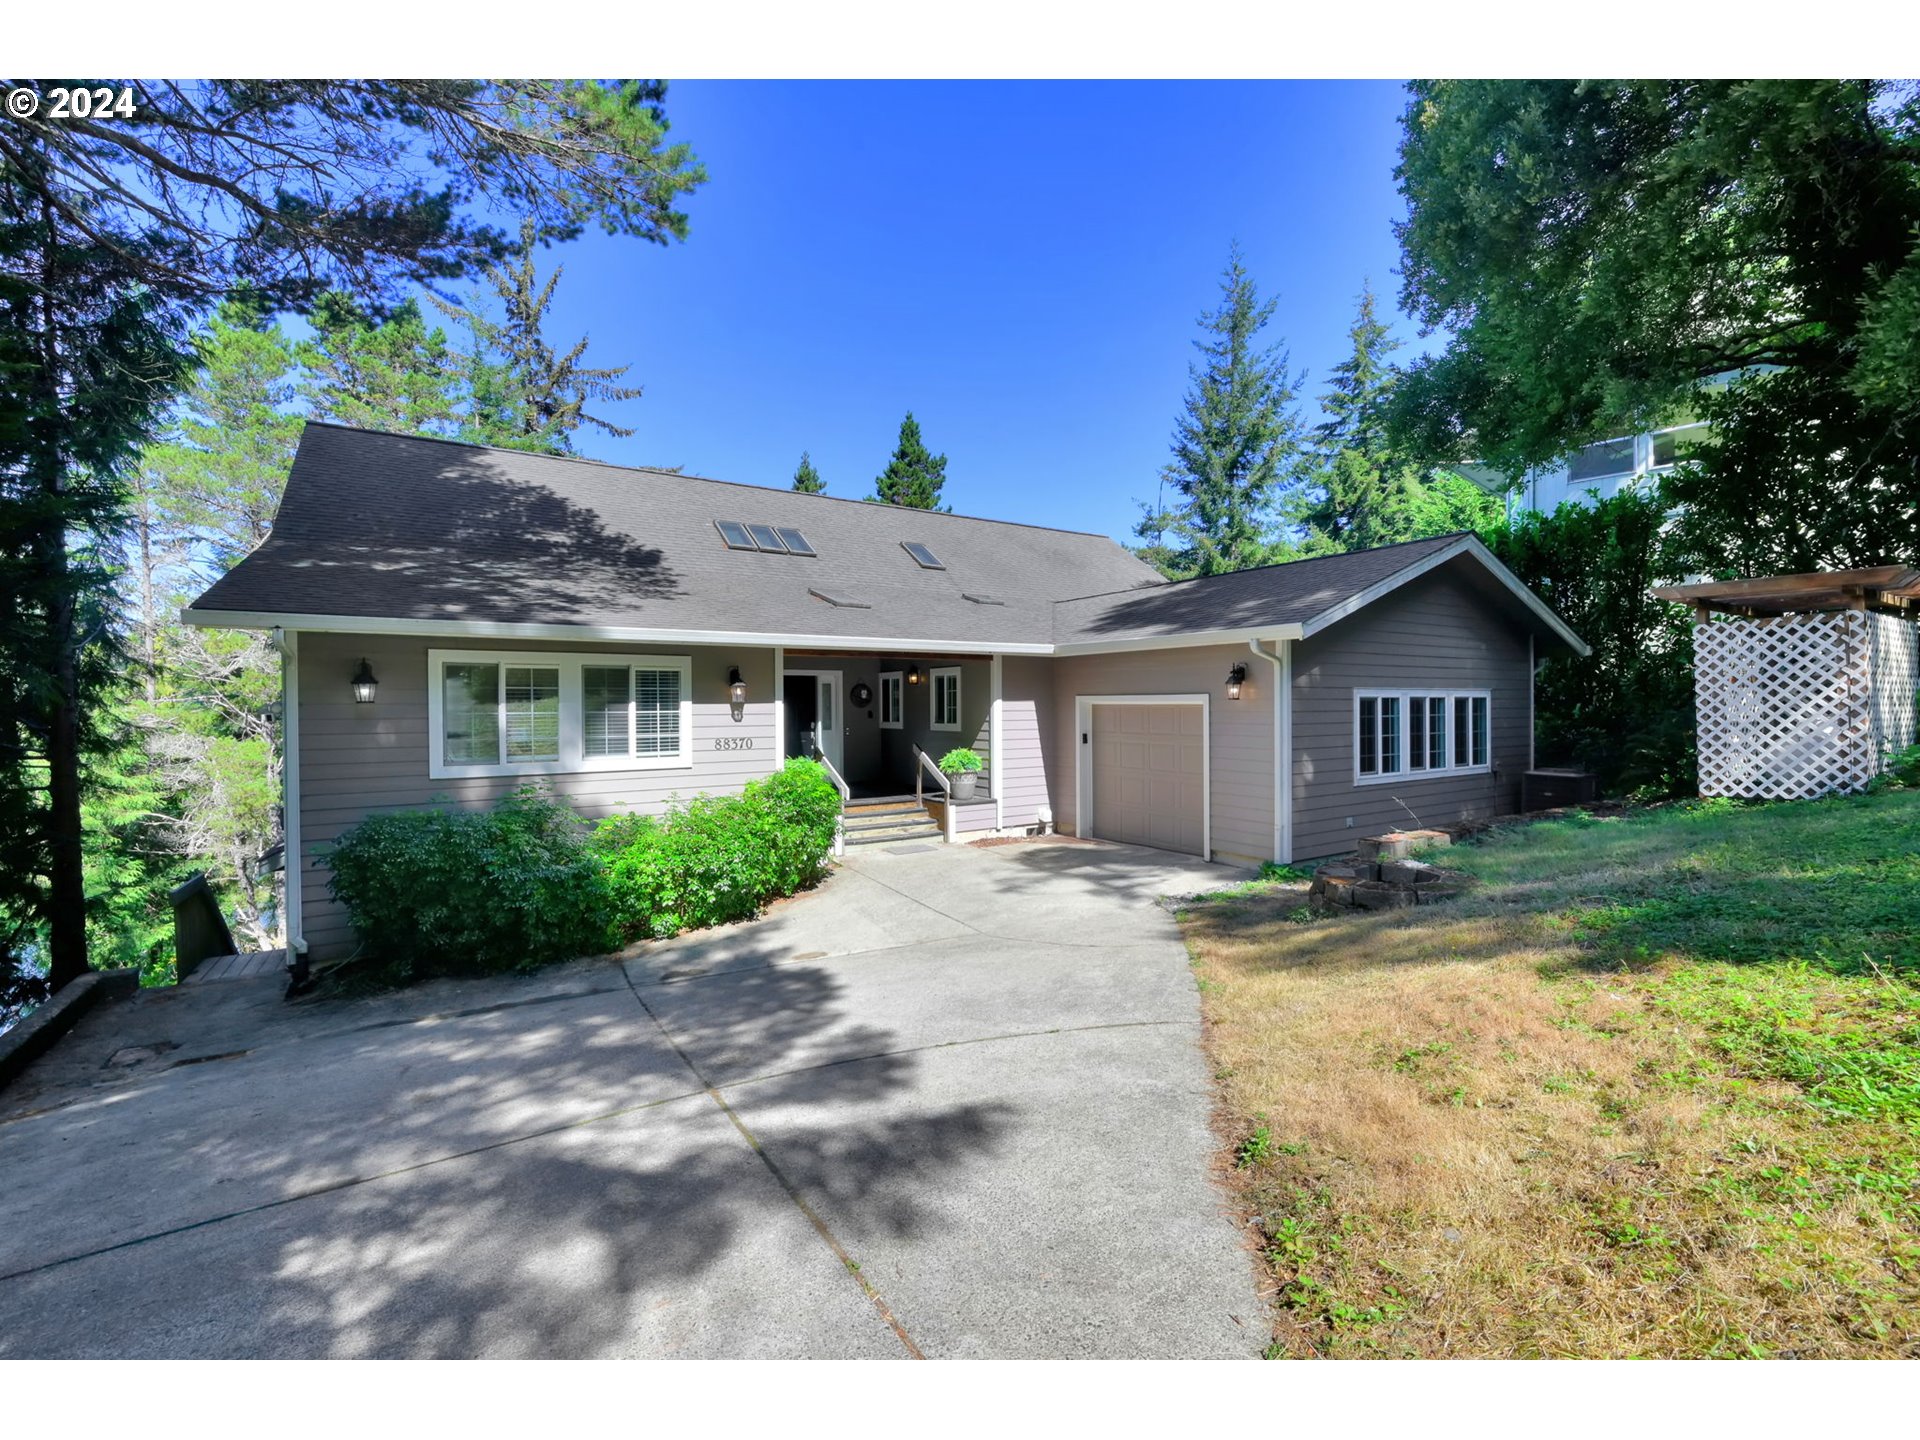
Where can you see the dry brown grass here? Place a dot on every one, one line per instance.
(1478, 1144)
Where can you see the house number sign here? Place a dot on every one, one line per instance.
(733, 742)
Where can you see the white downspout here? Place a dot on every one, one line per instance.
(1281, 658)
(293, 923)
(996, 759)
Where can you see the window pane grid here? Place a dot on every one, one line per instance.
(656, 711)
(1425, 733)
(607, 697)
(532, 713)
(471, 698)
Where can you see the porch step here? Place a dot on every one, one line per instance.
(872, 809)
(881, 830)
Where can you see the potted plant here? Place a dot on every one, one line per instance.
(962, 767)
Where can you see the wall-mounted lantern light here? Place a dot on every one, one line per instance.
(364, 685)
(1235, 678)
(736, 687)
(913, 674)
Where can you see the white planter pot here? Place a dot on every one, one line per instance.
(964, 783)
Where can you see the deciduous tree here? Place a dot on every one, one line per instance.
(1613, 254)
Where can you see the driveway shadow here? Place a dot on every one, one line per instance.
(546, 1179)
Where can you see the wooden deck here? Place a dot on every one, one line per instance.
(239, 967)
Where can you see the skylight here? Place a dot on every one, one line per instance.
(982, 599)
(922, 556)
(768, 539)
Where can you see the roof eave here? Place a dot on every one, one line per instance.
(626, 634)
(1239, 635)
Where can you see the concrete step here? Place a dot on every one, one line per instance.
(921, 829)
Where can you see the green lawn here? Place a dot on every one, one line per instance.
(1653, 1088)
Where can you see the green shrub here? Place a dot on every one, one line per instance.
(720, 858)
(461, 892)
(961, 762)
(1905, 767)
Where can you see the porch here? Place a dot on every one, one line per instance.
(882, 722)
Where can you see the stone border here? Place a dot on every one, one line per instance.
(1384, 884)
(35, 1035)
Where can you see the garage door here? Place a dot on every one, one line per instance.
(1149, 775)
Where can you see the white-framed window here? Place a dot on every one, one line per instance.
(1420, 733)
(892, 704)
(1603, 460)
(1667, 448)
(944, 697)
(497, 712)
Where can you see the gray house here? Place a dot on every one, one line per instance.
(456, 620)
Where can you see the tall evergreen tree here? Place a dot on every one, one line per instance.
(112, 234)
(1364, 489)
(526, 394)
(1237, 445)
(807, 479)
(379, 372)
(914, 476)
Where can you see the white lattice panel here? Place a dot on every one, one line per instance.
(1895, 648)
(1784, 706)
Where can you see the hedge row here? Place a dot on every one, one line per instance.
(451, 892)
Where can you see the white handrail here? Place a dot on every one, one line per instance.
(926, 763)
(946, 790)
(846, 794)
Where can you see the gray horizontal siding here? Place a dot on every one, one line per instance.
(1241, 739)
(1434, 631)
(1027, 740)
(360, 760)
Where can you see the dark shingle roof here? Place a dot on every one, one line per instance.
(378, 527)
(396, 527)
(1288, 594)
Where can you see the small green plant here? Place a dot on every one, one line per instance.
(1904, 768)
(1255, 1148)
(1272, 871)
(961, 761)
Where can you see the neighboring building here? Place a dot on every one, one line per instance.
(1593, 472)
(456, 621)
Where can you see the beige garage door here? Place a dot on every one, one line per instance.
(1149, 775)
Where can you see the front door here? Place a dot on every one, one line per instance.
(826, 728)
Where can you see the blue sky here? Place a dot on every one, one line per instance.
(1021, 265)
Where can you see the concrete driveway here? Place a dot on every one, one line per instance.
(950, 1104)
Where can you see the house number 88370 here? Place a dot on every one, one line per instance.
(733, 742)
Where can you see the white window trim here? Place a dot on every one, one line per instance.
(1404, 773)
(894, 683)
(933, 698)
(1635, 462)
(573, 757)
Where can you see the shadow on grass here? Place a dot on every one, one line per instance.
(1832, 883)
